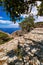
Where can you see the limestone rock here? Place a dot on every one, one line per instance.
(12, 59)
(33, 50)
(21, 40)
(3, 60)
(35, 61)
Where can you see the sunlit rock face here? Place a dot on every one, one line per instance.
(23, 50)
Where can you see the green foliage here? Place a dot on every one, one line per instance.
(39, 24)
(17, 7)
(14, 8)
(4, 38)
(27, 23)
(40, 9)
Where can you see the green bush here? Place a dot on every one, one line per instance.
(27, 23)
(4, 38)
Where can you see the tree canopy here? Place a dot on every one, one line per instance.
(17, 7)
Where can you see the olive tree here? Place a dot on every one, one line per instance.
(17, 7)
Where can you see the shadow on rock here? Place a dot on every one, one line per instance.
(11, 53)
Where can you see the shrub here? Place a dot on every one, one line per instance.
(4, 37)
(27, 23)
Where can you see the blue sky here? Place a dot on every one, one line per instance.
(5, 19)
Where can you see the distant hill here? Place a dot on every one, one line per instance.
(4, 37)
(39, 24)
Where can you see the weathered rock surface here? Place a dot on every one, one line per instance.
(23, 50)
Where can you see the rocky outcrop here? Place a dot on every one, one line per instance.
(23, 50)
(18, 33)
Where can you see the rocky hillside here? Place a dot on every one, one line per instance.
(26, 49)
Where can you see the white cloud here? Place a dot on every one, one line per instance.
(5, 21)
(8, 24)
(40, 18)
(34, 10)
(38, 3)
(1, 17)
(25, 15)
(16, 25)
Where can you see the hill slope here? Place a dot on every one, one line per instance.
(4, 37)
